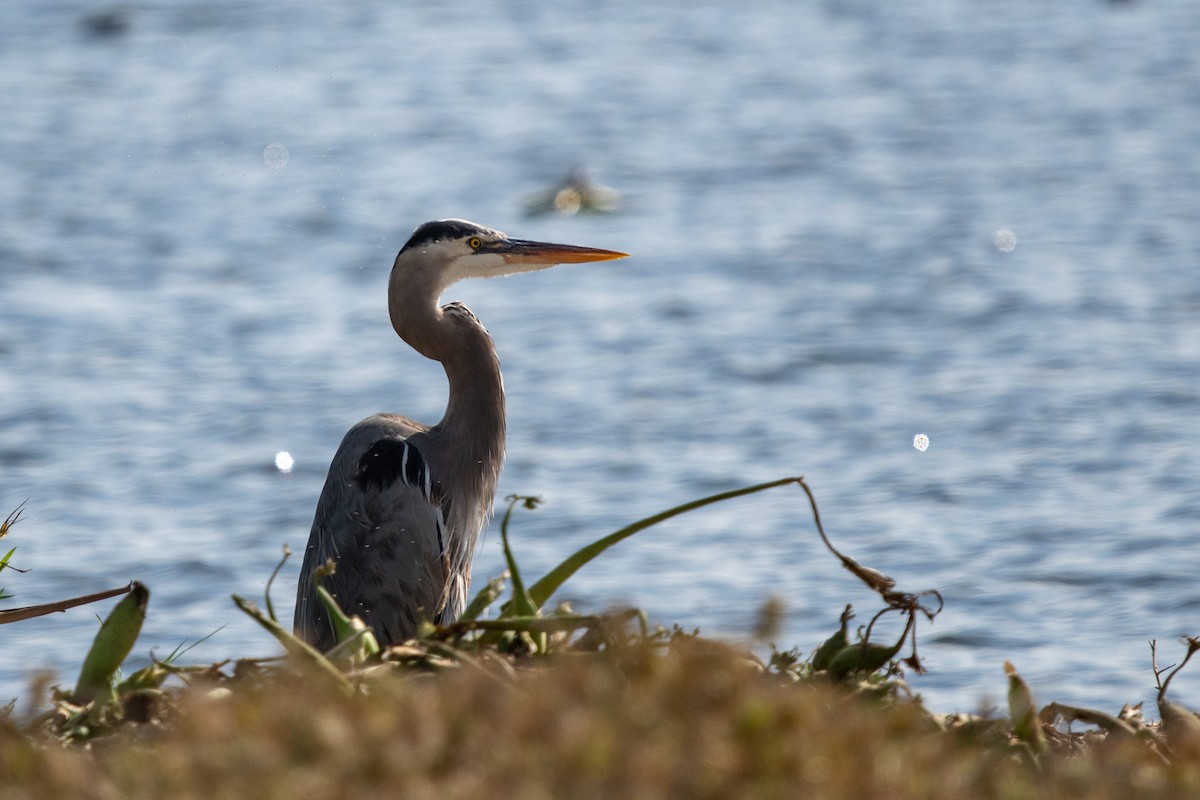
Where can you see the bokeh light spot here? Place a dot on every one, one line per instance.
(275, 155)
(1004, 240)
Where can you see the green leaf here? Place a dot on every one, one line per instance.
(355, 639)
(297, 648)
(862, 657)
(1026, 725)
(541, 591)
(483, 598)
(835, 644)
(112, 645)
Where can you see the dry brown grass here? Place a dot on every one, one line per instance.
(698, 722)
(541, 703)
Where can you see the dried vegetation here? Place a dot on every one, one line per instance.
(539, 701)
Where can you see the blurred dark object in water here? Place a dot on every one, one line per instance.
(107, 23)
(575, 193)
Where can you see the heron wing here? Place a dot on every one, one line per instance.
(382, 523)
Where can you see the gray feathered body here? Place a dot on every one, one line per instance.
(404, 504)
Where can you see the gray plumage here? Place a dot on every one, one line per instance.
(404, 503)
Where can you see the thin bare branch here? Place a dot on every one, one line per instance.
(29, 612)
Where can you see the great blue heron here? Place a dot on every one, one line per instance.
(404, 502)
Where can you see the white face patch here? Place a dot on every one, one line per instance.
(471, 264)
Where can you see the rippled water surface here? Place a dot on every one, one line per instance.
(201, 208)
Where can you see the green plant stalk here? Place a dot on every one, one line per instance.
(112, 645)
(296, 648)
(541, 591)
(343, 627)
(483, 598)
(287, 552)
(522, 604)
(536, 624)
(4, 563)
(12, 519)
(356, 641)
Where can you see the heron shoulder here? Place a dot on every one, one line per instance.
(388, 460)
(378, 451)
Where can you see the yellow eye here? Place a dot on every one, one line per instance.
(475, 242)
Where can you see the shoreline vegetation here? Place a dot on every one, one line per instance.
(540, 701)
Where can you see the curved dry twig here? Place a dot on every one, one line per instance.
(906, 603)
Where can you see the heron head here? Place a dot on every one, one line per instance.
(456, 249)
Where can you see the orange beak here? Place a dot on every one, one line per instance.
(523, 251)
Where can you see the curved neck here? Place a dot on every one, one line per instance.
(472, 429)
(475, 408)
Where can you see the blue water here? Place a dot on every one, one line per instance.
(811, 193)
